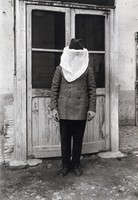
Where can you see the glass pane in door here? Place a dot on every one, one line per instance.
(97, 62)
(44, 64)
(48, 29)
(91, 28)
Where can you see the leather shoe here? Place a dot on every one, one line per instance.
(64, 171)
(77, 171)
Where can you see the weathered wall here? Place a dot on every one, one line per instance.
(127, 26)
(6, 60)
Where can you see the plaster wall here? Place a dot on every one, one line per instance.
(6, 64)
(6, 54)
(6, 46)
(127, 11)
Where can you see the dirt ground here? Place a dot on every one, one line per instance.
(102, 179)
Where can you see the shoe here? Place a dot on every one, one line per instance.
(77, 171)
(64, 171)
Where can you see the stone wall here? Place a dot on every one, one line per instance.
(6, 127)
(8, 132)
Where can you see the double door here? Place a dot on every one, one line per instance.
(49, 30)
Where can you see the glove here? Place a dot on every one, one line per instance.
(90, 115)
(55, 115)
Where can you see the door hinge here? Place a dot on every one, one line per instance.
(136, 84)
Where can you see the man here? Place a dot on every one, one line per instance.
(73, 101)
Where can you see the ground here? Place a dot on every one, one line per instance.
(102, 179)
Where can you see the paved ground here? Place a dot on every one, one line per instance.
(103, 179)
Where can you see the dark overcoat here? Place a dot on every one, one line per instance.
(73, 99)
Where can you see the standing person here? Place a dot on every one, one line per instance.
(73, 101)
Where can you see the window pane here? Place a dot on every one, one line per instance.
(43, 67)
(91, 29)
(48, 29)
(97, 63)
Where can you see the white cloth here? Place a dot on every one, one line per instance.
(74, 63)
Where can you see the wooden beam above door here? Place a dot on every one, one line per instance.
(75, 3)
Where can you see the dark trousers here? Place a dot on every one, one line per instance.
(71, 129)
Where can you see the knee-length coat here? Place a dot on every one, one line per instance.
(73, 99)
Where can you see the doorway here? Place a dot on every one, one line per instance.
(49, 30)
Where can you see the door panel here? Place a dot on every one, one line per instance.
(46, 135)
(45, 130)
(95, 129)
(93, 29)
(50, 29)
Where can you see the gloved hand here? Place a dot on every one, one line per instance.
(90, 115)
(55, 115)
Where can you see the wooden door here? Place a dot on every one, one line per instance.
(49, 30)
(93, 28)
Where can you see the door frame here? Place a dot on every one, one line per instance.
(22, 137)
(136, 82)
(70, 25)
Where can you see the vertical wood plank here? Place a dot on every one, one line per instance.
(41, 120)
(18, 114)
(107, 83)
(29, 84)
(45, 110)
(55, 131)
(35, 121)
(96, 121)
(20, 152)
(136, 83)
(48, 119)
(91, 131)
(102, 117)
(72, 23)
(85, 138)
(55, 139)
(67, 26)
(114, 125)
(50, 123)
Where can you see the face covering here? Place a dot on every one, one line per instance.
(74, 63)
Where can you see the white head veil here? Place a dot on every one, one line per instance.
(74, 63)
